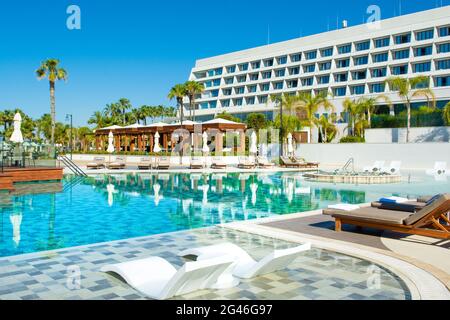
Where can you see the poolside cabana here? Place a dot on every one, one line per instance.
(140, 138)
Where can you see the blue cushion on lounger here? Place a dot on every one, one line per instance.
(434, 198)
(386, 200)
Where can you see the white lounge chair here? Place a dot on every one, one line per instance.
(376, 167)
(393, 168)
(158, 279)
(439, 172)
(245, 266)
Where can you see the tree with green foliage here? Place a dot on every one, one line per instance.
(446, 114)
(407, 90)
(327, 127)
(178, 92)
(50, 69)
(228, 116)
(193, 88)
(257, 121)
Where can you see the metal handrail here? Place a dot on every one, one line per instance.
(72, 166)
(349, 162)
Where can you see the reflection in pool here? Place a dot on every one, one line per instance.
(112, 207)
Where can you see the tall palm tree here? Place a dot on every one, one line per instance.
(352, 108)
(310, 104)
(408, 89)
(178, 92)
(50, 69)
(193, 88)
(99, 119)
(123, 106)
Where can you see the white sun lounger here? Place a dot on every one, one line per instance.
(376, 167)
(158, 279)
(393, 168)
(245, 266)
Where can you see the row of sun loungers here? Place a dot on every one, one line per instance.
(425, 216)
(163, 162)
(216, 267)
(294, 162)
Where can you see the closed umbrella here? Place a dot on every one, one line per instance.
(110, 143)
(157, 147)
(290, 146)
(16, 136)
(205, 148)
(253, 143)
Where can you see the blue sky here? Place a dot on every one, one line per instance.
(138, 49)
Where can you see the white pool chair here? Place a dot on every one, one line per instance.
(393, 168)
(376, 167)
(439, 172)
(245, 266)
(158, 279)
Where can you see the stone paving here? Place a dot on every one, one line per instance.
(316, 274)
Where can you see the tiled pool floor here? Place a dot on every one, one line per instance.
(317, 274)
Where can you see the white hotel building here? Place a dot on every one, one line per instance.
(349, 62)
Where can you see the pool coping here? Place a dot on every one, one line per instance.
(423, 280)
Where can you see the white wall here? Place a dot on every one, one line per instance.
(394, 135)
(412, 155)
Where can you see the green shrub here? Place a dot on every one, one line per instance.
(422, 117)
(352, 139)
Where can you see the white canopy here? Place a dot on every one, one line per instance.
(158, 124)
(220, 120)
(111, 127)
(136, 125)
(185, 123)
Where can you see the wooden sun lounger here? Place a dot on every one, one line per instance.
(263, 162)
(218, 163)
(145, 164)
(118, 163)
(246, 163)
(430, 221)
(196, 163)
(306, 163)
(98, 163)
(163, 163)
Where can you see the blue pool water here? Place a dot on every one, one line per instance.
(54, 215)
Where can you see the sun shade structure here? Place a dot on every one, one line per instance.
(140, 138)
(16, 136)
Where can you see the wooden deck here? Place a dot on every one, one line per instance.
(13, 175)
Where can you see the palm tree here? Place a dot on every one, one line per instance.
(193, 88)
(99, 119)
(327, 127)
(408, 89)
(123, 106)
(446, 114)
(178, 92)
(352, 108)
(309, 105)
(50, 69)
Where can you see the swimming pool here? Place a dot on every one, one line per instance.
(49, 216)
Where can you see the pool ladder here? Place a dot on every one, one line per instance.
(72, 166)
(350, 162)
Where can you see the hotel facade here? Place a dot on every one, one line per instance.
(345, 63)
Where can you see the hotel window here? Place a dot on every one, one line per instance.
(347, 48)
(250, 100)
(377, 88)
(380, 57)
(443, 81)
(268, 63)
(340, 92)
(444, 47)
(311, 55)
(294, 71)
(225, 103)
(402, 54)
(444, 31)
(229, 80)
(216, 82)
(239, 90)
(267, 75)
(361, 60)
(384, 42)
(256, 65)
(278, 85)
(325, 66)
(282, 60)
(214, 93)
(403, 38)
(341, 77)
(399, 70)
(243, 67)
(241, 79)
(213, 104)
(422, 67)
(208, 84)
(262, 99)
(343, 63)
(363, 46)
(204, 105)
(265, 87)
(210, 73)
(423, 51)
(359, 75)
(292, 83)
(231, 69)
(323, 79)
(218, 71)
(307, 81)
(280, 73)
(227, 92)
(379, 72)
(327, 52)
(425, 35)
(254, 77)
(443, 65)
(356, 90)
(238, 102)
(323, 92)
(296, 57)
(251, 89)
(309, 68)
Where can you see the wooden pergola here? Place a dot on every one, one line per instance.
(138, 138)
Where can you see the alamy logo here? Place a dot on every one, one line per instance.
(374, 20)
(73, 21)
